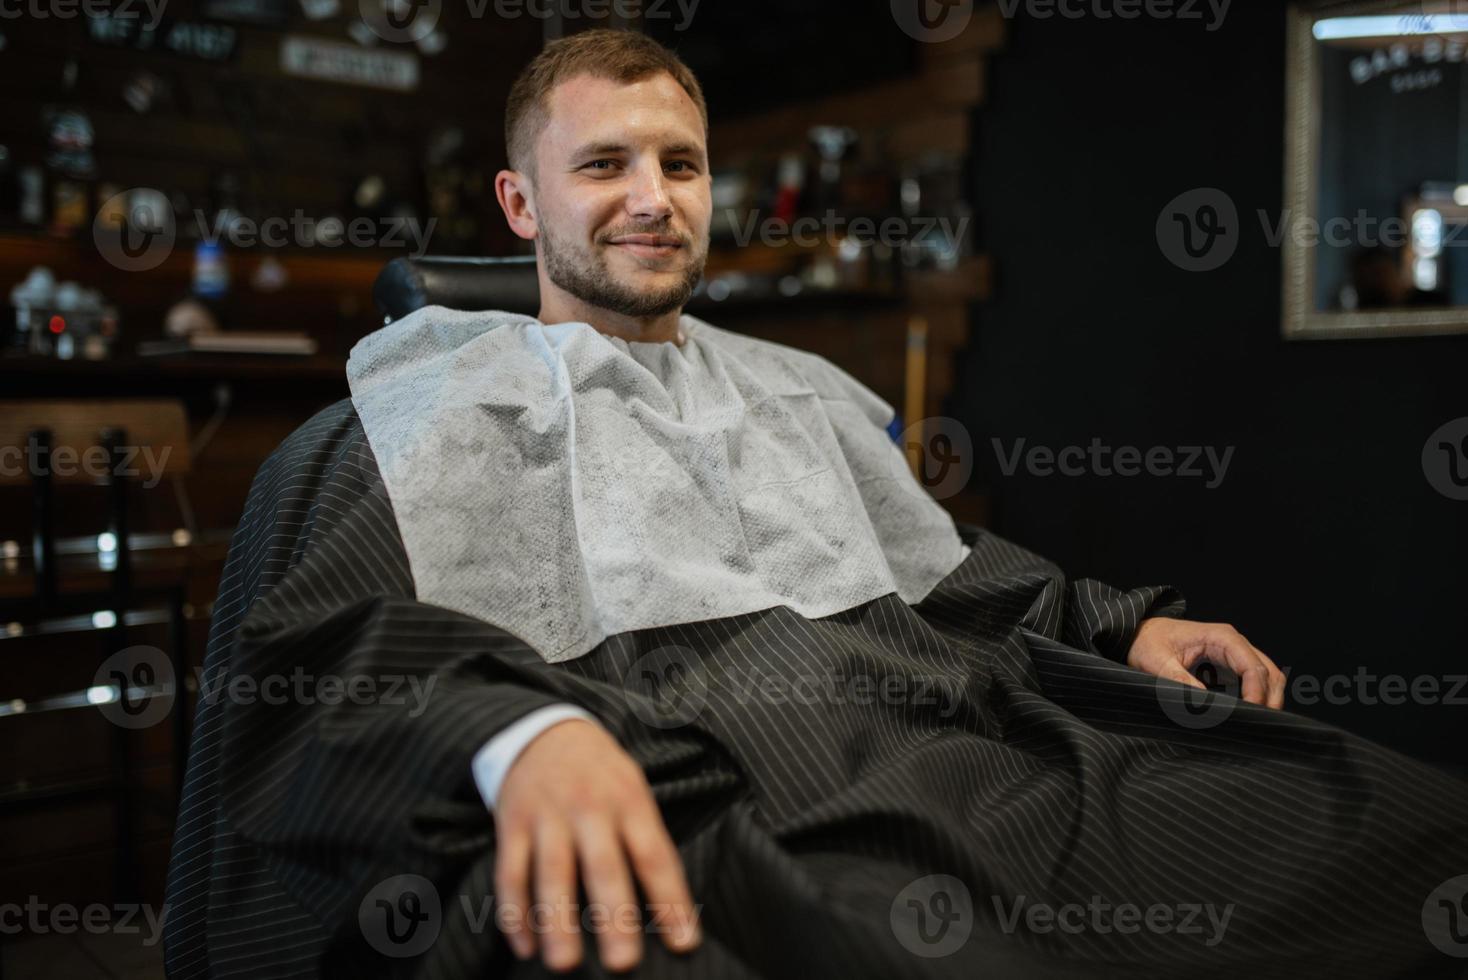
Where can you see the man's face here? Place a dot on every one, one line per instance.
(622, 190)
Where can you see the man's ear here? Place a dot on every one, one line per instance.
(516, 198)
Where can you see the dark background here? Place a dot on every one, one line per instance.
(1325, 544)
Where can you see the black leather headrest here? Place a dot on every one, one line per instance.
(459, 283)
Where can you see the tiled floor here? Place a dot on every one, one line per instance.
(82, 956)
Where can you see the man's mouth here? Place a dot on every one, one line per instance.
(648, 246)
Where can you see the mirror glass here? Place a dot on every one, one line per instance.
(1378, 169)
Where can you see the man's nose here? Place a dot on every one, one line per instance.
(647, 197)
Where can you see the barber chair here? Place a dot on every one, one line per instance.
(457, 283)
(474, 284)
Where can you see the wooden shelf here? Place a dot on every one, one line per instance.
(225, 367)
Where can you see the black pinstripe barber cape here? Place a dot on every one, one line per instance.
(971, 787)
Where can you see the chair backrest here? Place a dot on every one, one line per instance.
(155, 438)
(459, 283)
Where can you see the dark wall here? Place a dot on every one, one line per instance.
(1325, 544)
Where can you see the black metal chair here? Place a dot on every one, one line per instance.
(96, 443)
(458, 283)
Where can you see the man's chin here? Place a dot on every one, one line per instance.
(640, 280)
(670, 265)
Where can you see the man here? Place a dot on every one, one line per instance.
(1012, 754)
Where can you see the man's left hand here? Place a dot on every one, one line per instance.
(1172, 647)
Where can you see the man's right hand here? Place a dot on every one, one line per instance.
(574, 800)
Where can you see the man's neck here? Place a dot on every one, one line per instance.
(653, 330)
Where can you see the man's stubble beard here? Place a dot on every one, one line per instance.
(585, 275)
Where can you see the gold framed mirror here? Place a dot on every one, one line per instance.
(1374, 235)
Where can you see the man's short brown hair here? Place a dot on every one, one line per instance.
(619, 55)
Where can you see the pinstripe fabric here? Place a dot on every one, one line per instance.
(1011, 752)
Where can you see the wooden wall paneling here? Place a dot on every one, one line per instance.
(883, 106)
(984, 34)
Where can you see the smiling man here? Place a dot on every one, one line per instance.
(611, 180)
(718, 689)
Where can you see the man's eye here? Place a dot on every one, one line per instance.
(594, 164)
(687, 167)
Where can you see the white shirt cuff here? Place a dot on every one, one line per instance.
(494, 759)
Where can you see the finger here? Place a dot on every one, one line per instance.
(555, 894)
(609, 885)
(1277, 680)
(657, 865)
(1229, 649)
(512, 885)
(1173, 670)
